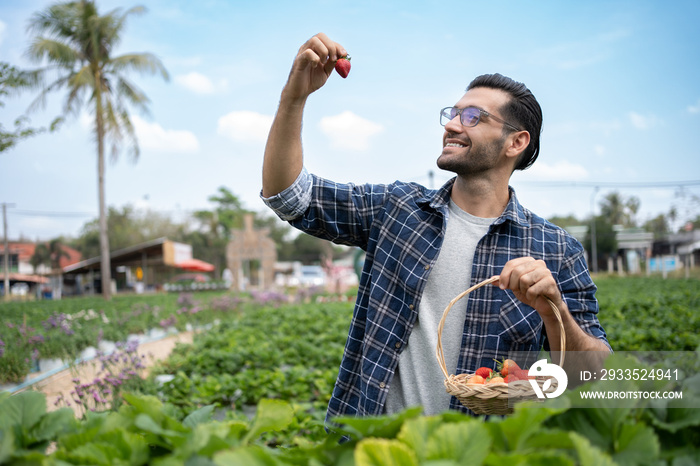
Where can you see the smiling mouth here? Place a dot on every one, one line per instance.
(454, 144)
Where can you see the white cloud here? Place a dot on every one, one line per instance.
(349, 131)
(557, 171)
(198, 83)
(643, 122)
(154, 137)
(694, 108)
(245, 126)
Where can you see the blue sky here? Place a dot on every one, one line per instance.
(619, 83)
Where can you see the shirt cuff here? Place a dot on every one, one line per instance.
(293, 201)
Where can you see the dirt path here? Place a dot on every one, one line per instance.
(62, 382)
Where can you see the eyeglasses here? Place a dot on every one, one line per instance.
(469, 116)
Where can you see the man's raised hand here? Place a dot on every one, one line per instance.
(312, 66)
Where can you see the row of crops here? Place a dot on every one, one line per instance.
(253, 387)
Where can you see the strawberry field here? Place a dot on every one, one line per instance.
(253, 387)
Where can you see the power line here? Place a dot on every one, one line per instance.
(589, 184)
(611, 184)
(39, 213)
(430, 176)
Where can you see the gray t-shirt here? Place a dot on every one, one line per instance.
(418, 379)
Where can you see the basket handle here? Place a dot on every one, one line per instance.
(439, 351)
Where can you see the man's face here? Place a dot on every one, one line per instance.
(472, 150)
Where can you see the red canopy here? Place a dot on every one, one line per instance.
(195, 265)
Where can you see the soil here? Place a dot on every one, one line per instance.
(62, 382)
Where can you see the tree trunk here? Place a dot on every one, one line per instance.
(105, 265)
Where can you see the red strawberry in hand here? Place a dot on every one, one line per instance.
(342, 66)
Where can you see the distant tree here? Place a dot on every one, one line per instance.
(41, 256)
(127, 226)
(567, 221)
(658, 225)
(695, 223)
(228, 211)
(77, 43)
(606, 242)
(618, 210)
(49, 253)
(12, 81)
(57, 252)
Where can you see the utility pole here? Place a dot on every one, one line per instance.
(6, 252)
(594, 240)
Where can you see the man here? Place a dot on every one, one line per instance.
(423, 247)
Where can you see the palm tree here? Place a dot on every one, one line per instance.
(56, 253)
(77, 44)
(41, 256)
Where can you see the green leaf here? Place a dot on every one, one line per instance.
(173, 438)
(546, 458)
(377, 426)
(54, 423)
(416, 432)
(253, 455)
(207, 439)
(384, 452)
(128, 446)
(548, 439)
(271, 415)
(464, 442)
(70, 442)
(636, 444)
(24, 409)
(527, 420)
(676, 419)
(7, 445)
(197, 417)
(94, 453)
(148, 405)
(588, 454)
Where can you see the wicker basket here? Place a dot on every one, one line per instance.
(493, 398)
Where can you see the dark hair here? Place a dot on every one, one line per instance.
(523, 110)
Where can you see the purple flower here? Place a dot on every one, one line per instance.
(34, 339)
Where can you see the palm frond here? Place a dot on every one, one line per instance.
(40, 101)
(132, 94)
(58, 20)
(141, 62)
(75, 40)
(54, 51)
(79, 83)
(118, 20)
(134, 149)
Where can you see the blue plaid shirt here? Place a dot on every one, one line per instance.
(401, 226)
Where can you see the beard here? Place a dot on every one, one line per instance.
(473, 159)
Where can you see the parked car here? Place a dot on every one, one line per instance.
(312, 275)
(19, 289)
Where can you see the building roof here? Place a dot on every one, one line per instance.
(133, 254)
(25, 251)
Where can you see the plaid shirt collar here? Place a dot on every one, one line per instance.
(441, 199)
